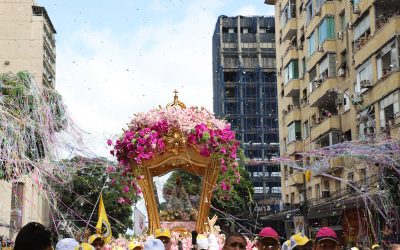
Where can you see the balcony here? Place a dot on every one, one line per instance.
(293, 115)
(363, 5)
(290, 54)
(294, 147)
(328, 8)
(335, 166)
(378, 40)
(380, 89)
(290, 29)
(325, 126)
(296, 178)
(329, 46)
(323, 93)
(271, 2)
(292, 88)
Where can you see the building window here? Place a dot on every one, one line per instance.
(276, 190)
(337, 185)
(387, 60)
(346, 101)
(317, 191)
(268, 62)
(258, 190)
(361, 32)
(291, 71)
(312, 43)
(275, 174)
(364, 74)
(327, 67)
(389, 108)
(288, 12)
(313, 78)
(294, 131)
(310, 11)
(326, 30)
(306, 130)
(342, 17)
(231, 61)
(250, 62)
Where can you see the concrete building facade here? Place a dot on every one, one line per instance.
(338, 80)
(27, 42)
(244, 87)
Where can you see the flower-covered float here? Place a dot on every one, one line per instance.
(188, 139)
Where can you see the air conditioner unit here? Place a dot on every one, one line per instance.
(340, 35)
(357, 98)
(318, 12)
(366, 84)
(356, 10)
(349, 26)
(320, 49)
(341, 72)
(326, 194)
(339, 100)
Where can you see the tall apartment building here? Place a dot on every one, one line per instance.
(244, 87)
(338, 79)
(26, 43)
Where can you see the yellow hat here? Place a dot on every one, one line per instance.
(94, 237)
(84, 246)
(375, 246)
(162, 232)
(132, 245)
(298, 239)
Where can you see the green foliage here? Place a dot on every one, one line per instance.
(239, 196)
(82, 192)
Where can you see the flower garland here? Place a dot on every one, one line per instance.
(144, 139)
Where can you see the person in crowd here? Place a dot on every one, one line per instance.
(286, 245)
(135, 246)
(235, 241)
(84, 246)
(376, 247)
(154, 244)
(394, 247)
(97, 241)
(326, 239)
(268, 238)
(33, 236)
(164, 235)
(300, 242)
(67, 244)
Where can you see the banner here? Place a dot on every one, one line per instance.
(298, 224)
(140, 220)
(103, 227)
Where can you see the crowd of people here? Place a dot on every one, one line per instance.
(35, 236)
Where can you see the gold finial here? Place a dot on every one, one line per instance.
(176, 102)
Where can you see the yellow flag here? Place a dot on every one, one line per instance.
(308, 175)
(103, 227)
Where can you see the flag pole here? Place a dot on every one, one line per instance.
(95, 205)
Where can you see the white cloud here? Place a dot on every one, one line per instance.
(118, 75)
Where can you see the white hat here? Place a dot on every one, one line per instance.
(154, 244)
(67, 244)
(202, 242)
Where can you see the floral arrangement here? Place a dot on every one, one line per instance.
(174, 214)
(145, 138)
(122, 243)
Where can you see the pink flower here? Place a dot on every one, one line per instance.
(223, 150)
(121, 200)
(109, 142)
(126, 189)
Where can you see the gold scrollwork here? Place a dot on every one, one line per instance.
(175, 141)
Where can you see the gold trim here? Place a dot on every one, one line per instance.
(176, 102)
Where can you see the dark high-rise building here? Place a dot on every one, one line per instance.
(244, 86)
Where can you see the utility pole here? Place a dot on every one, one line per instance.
(305, 206)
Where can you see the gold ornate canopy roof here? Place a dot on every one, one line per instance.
(176, 102)
(179, 155)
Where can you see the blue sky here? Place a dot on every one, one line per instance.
(117, 58)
